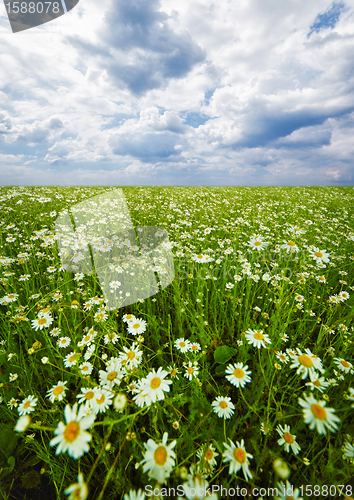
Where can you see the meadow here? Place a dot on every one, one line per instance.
(238, 375)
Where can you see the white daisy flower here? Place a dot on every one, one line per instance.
(257, 338)
(287, 439)
(42, 322)
(191, 370)
(27, 405)
(257, 243)
(316, 415)
(290, 246)
(183, 345)
(102, 400)
(223, 407)
(57, 392)
(86, 368)
(86, 397)
(306, 363)
(113, 375)
(344, 365)
(137, 326)
(72, 436)
(238, 374)
(79, 490)
(156, 386)
(132, 356)
(64, 341)
(22, 423)
(135, 495)
(238, 457)
(159, 459)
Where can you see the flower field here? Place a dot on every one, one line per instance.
(238, 375)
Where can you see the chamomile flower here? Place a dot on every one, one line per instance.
(86, 397)
(183, 345)
(156, 386)
(223, 407)
(22, 423)
(285, 489)
(306, 363)
(55, 332)
(132, 356)
(137, 326)
(87, 338)
(316, 415)
(287, 439)
(238, 457)
(57, 392)
(195, 347)
(257, 243)
(42, 322)
(86, 368)
(290, 246)
(207, 457)
(111, 337)
(113, 375)
(344, 365)
(71, 359)
(197, 488)
(191, 370)
(127, 318)
(237, 374)
(257, 338)
(135, 495)
(27, 406)
(72, 436)
(102, 400)
(141, 398)
(79, 490)
(348, 450)
(317, 382)
(64, 341)
(159, 459)
(320, 256)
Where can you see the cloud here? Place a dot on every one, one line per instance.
(327, 19)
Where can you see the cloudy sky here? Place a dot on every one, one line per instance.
(187, 92)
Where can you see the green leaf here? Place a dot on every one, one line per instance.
(11, 461)
(31, 479)
(8, 439)
(220, 370)
(223, 353)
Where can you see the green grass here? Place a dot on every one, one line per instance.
(204, 304)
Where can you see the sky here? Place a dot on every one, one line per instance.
(187, 92)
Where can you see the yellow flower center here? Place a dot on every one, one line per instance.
(63, 341)
(42, 321)
(87, 338)
(290, 498)
(101, 399)
(89, 395)
(238, 373)
(194, 347)
(209, 454)
(72, 358)
(26, 405)
(291, 243)
(305, 360)
(111, 376)
(58, 390)
(240, 455)
(131, 355)
(190, 369)
(223, 404)
(258, 243)
(85, 368)
(318, 411)
(136, 325)
(258, 336)
(200, 256)
(317, 383)
(319, 254)
(182, 344)
(288, 437)
(71, 432)
(155, 383)
(174, 372)
(345, 363)
(160, 455)
(129, 316)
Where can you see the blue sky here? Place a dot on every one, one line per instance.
(194, 92)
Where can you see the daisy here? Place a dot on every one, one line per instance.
(141, 398)
(63, 341)
(86, 368)
(183, 345)
(87, 338)
(135, 495)
(173, 371)
(223, 407)
(27, 405)
(111, 337)
(159, 459)
(317, 382)
(195, 347)
(238, 374)
(197, 488)
(317, 415)
(132, 356)
(257, 338)
(155, 385)
(57, 392)
(102, 400)
(319, 256)
(13, 403)
(343, 296)
(137, 326)
(22, 423)
(55, 332)
(287, 439)
(290, 246)
(79, 490)
(286, 489)
(257, 243)
(348, 449)
(71, 359)
(42, 322)
(305, 363)
(238, 457)
(320, 279)
(127, 318)
(344, 365)
(86, 397)
(207, 457)
(191, 370)
(120, 402)
(114, 285)
(282, 356)
(112, 376)
(73, 437)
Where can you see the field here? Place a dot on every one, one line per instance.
(238, 375)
